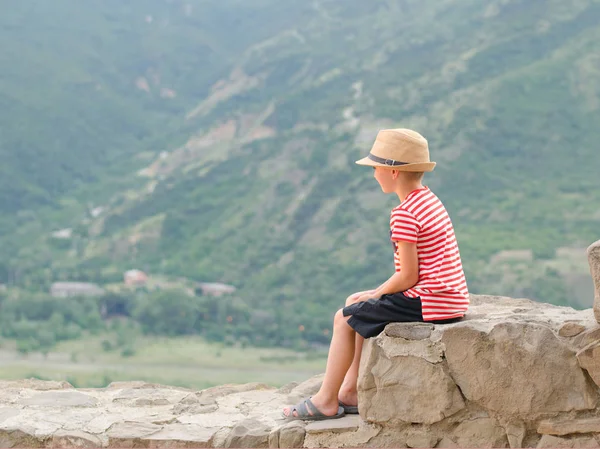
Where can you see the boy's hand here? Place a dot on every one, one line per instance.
(366, 297)
(360, 296)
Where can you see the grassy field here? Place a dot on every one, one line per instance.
(189, 362)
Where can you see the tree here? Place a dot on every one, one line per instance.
(168, 312)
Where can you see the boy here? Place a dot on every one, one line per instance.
(428, 283)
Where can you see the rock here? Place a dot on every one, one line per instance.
(273, 440)
(35, 384)
(220, 437)
(8, 412)
(47, 421)
(160, 419)
(588, 336)
(287, 388)
(431, 351)
(250, 403)
(589, 359)
(132, 397)
(446, 442)
(18, 438)
(289, 435)
(182, 435)
(359, 437)
(60, 399)
(196, 403)
(405, 388)
(480, 432)
(305, 389)
(215, 419)
(566, 426)
(130, 434)
(482, 361)
(409, 331)
(209, 395)
(41, 427)
(205, 401)
(74, 438)
(102, 423)
(392, 436)
(419, 439)
(195, 409)
(292, 436)
(141, 385)
(248, 433)
(515, 432)
(594, 260)
(571, 329)
(550, 441)
(348, 423)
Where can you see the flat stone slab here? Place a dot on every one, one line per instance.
(568, 426)
(551, 441)
(345, 424)
(183, 435)
(152, 397)
(35, 384)
(60, 399)
(8, 412)
(132, 430)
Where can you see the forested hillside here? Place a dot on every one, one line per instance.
(216, 141)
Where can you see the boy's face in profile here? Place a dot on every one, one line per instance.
(386, 178)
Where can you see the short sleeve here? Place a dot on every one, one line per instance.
(404, 226)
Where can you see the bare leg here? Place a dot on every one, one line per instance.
(341, 354)
(348, 392)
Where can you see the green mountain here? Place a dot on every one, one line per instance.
(216, 141)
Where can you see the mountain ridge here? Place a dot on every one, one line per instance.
(251, 180)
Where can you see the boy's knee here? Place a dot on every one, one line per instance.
(339, 319)
(352, 299)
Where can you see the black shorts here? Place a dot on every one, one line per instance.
(369, 318)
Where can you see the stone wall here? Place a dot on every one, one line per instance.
(515, 373)
(594, 259)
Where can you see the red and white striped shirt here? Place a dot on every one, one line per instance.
(422, 219)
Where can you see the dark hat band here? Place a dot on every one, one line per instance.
(390, 162)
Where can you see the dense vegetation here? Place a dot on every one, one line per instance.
(247, 117)
(37, 321)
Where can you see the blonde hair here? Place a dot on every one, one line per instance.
(413, 176)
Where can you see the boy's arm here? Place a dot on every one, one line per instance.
(404, 279)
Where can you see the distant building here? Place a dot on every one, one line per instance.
(214, 289)
(63, 233)
(135, 278)
(66, 289)
(96, 211)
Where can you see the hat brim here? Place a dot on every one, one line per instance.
(417, 167)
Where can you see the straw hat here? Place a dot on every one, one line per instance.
(400, 149)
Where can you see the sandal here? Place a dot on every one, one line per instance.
(303, 413)
(349, 409)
